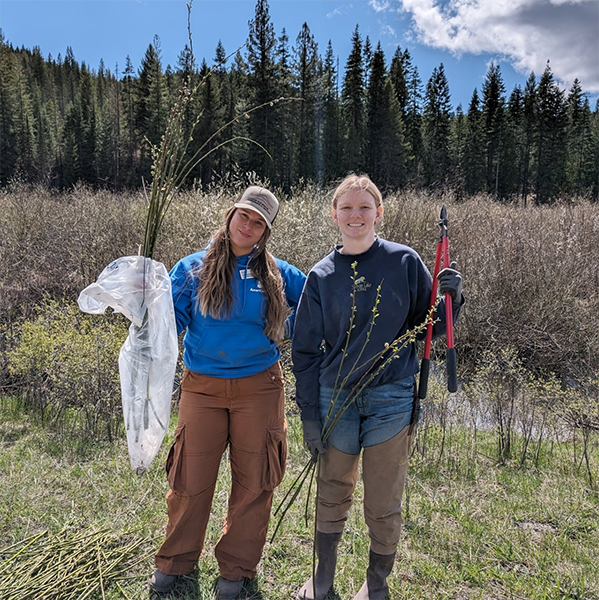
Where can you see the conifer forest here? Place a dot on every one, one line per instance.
(63, 122)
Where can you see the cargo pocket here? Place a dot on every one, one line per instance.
(276, 455)
(174, 462)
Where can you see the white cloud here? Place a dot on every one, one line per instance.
(340, 10)
(525, 32)
(378, 6)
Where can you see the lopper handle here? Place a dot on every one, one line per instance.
(423, 383)
(452, 372)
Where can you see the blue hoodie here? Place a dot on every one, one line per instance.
(235, 346)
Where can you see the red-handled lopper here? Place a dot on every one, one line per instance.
(452, 378)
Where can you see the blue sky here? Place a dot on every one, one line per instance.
(464, 35)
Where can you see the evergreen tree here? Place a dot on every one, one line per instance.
(151, 105)
(286, 143)
(386, 150)
(551, 149)
(413, 120)
(594, 154)
(474, 152)
(397, 74)
(530, 134)
(262, 86)
(437, 118)
(458, 137)
(126, 98)
(582, 165)
(352, 106)
(239, 151)
(514, 144)
(493, 119)
(9, 107)
(331, 129)
(306, 69)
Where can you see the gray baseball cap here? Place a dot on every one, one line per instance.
(260, 200)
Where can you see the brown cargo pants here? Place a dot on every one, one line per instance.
(247, 415)
(384, 470)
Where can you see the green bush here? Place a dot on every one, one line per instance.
(66, 365)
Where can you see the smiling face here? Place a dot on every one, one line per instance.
(356, 213)
(246, 228)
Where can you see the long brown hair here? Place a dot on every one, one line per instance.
(215, 292)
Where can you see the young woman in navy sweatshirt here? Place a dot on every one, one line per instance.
(377, 423)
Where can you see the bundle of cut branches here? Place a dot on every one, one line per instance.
(70, 565)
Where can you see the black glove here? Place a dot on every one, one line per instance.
(450, 282)
(312, 438)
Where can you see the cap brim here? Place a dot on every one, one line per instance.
(240, 205)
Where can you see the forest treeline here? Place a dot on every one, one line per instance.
(63, 123)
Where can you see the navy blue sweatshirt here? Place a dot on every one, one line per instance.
(324, 314)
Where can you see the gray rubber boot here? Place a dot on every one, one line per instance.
(327, 545)
(375, 587)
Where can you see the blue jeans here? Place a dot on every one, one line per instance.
(374, 416)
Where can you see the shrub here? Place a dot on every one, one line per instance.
(66, 364)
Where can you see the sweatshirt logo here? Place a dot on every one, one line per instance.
(246, 274)
(361, 284)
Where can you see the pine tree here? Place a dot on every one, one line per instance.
(581, 166)
(413, 120)
(474, 153)
(551, 149)
(458, 137)
(126, 98)
(437, 118)
(513, 141)
(262, 85)
(397, 74)
(493, 120)
(285, 149)
(306, 69)
(386, 150)
(331, 129)
(151, 105)
(530, 134)
(352, 106)
(9, 106)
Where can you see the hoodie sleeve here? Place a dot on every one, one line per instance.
(183, 289)
(307, 350)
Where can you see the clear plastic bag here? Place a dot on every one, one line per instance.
(140, 288)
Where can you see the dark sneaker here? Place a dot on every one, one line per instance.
(227, 589)
(161, 582)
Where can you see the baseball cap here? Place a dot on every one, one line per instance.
(260, 200)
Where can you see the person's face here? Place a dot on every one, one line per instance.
(245, 230)
(356, 214)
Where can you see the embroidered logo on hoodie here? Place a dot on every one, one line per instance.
(247, 274)
(361, 284)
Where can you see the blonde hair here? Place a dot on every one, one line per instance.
(215, 290)
(359, 182)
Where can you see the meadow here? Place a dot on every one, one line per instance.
(501, 500)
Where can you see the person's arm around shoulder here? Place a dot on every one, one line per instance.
(293, 284)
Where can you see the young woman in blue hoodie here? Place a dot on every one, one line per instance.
(236, 303)
(342, 289)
